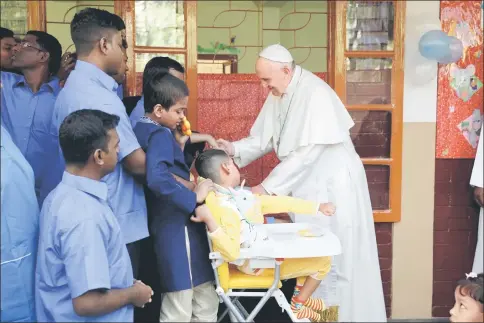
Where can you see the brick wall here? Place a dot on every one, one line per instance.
(384, 239)
(455, 230)
(371, 133)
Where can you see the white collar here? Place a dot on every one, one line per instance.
(296, 75)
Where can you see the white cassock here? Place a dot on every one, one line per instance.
(319, 162)
(477, 180)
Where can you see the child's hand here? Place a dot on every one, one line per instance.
(180, 138)
(203, 214)
(203, 189)
(327, 208)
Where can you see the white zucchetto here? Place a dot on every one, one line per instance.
(276, 53)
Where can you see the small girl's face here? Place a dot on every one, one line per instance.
(174, 116)
(466, 309)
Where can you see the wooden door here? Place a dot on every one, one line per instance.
(161, 28)
(368, 77)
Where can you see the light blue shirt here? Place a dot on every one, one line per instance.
(81, 248)
(27, 116)
(88, 87)
(138, 111)
(20, 225)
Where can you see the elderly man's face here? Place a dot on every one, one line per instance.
(273, 76)
(7, 45)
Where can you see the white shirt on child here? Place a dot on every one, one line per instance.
(250, 235)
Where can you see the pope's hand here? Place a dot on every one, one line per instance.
(227, 146)
(212, 142)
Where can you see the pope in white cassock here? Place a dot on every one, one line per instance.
(306, 124)
(477, 182)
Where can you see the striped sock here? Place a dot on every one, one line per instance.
(303, 312)
(316, 304)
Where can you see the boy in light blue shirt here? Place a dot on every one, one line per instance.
(83, 269)
(100, 56)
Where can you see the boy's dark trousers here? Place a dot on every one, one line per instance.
(148, 274)
(134, 250)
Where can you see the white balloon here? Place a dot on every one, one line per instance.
(420, 70)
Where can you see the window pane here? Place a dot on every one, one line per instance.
(369, 25)
(14, 16)
(142, 59)
(371, 133)
(379, 185)
(368, 80)
(242, 28)
(160, 23)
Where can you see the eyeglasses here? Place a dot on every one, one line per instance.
(25, 44)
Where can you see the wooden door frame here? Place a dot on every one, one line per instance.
(125, 9)
(331, 33)
(36, 15)
(337, 76)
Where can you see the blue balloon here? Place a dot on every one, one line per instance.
(454, 52)
(434, 45)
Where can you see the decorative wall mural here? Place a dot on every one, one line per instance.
(464, 81)
(471, 127)
(463, 31)
(460, 92)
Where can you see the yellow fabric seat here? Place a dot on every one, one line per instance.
(239, 280)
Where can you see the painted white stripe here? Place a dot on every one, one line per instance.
(7, 261)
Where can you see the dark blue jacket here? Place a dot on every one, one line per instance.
(170, 206)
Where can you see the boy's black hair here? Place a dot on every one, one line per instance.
(164, 89)
(6, 33)
(50, 44)
(472, 287)
(208, 164)
(119, 22)
(90, 25)
(84, 131)
(160, 64)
